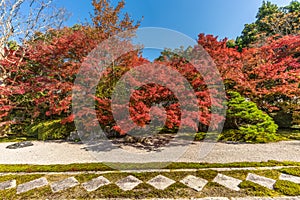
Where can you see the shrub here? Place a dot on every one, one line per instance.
(246, 122)
(52, 129)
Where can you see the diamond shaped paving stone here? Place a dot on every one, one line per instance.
(128, 183)
(41, 182)
(161, 182)
(286, 177)
(64, 184)
(228, 182)
(194, 182)
(261, 180)
(8, 184)
(95, 183)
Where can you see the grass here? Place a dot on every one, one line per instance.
(177, 190)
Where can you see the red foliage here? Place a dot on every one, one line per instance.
(267, 74)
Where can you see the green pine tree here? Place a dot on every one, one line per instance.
(246, 122)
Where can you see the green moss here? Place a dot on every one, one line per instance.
(206, 174)
(287, 188)
(104, 167)
(273, 174)
(55, 168)
(295, 171)
(252, 189)
(239, 174)
(144, 190)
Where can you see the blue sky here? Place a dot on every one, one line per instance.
(223, 18)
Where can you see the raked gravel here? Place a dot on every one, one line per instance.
(57, 152)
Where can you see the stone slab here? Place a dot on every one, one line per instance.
(194, 182)
(8, 185)
(228, 182)
(161, 182)
(64, 184)
(37, 183)
(128, 183)
(261, 180)
(95, 183)
(286, 177)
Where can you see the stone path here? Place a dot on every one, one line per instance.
(159, 182)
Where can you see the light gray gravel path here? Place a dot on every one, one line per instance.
(66, 153)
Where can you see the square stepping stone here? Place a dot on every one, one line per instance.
(194, 182)
(95, 183)
(8, 185)
(286, 177)
(37, 183)
(161, 182)
(128, 183)
(64, 184)
(261, 180)
(228, 182)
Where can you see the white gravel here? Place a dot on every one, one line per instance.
(66, 153)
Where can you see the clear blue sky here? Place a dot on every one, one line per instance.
(223, 18)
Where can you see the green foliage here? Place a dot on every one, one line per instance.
(52, 129)
(246, 122)
(293, 7)
(13, 45)
(266, 9)
(271, 20)
(200, 136)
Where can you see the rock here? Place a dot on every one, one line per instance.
(130, 139)
(20, 145)
(74, 136)
(148, 141)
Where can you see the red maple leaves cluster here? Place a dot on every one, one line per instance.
(40, 79)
